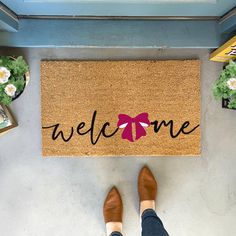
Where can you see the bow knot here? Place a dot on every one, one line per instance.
(140, 122)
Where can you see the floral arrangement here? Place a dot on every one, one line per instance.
(12, 82)
(225, 86)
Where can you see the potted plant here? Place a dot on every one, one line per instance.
(13, 78)
(225, 87)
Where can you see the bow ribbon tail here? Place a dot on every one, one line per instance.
(125, 122)
(127, 132)
(140, 131)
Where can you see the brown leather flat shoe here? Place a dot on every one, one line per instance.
(113, 207)
(147, 185)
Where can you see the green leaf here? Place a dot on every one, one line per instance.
(220, 88)
(5, 99)
(20, 83)
(232, 102)
(18, 67)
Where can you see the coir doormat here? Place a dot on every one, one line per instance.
(120, 108)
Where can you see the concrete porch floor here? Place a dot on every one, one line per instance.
(64, 196)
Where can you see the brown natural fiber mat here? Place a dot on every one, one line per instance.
(83, 103)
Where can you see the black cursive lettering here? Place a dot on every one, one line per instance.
(56, 133)
(185, 125)
(60, 133)
(101, 132)
(171, 124)
(80, 126)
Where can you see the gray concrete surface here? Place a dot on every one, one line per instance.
(64, 196)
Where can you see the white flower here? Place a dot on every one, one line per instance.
(10, 90)
(4, 75)
(231, 83)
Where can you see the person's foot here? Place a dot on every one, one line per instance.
(147, 189)
(113, 211)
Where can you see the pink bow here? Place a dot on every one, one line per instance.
(140, 121)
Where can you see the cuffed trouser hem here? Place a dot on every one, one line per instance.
(150, 213)
(116, 234)
(152, 224)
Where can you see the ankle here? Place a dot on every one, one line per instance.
(113, 227)
(147, 204)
